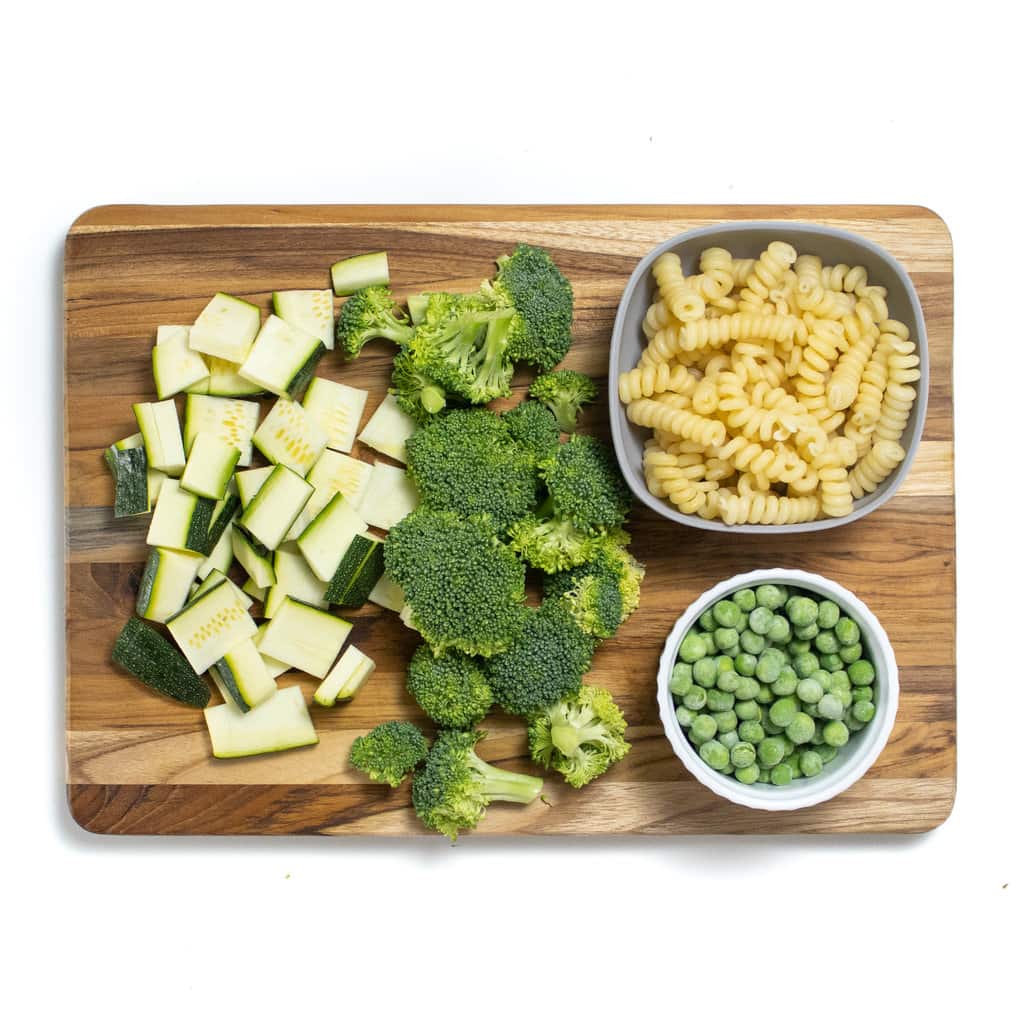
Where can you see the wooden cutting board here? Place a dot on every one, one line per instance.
(137, 763)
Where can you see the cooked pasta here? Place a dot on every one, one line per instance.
(777, 389)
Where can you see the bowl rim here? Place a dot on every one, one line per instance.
(616, 410)
(793, 797)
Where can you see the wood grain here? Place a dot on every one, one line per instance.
(141, 764)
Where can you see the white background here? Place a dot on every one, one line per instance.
(515, 102)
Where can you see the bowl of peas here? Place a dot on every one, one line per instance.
(778, 689)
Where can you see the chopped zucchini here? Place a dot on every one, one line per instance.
(176, 367)
(304, 637)
(210, 464)
(161, 435)
(418, 307)
(220, 558)
(355, 272)
(388, 594)
(337, 408)
(211, 625)
(225, 381)
(283, 358)
(154, 481)
(333, 474)
(294, 579)
(230, 419)
(256, 593)
(346, 678)
(133, 441)
(290, 436)
(389, 497)
(253, 557)
(274, 667)
(181, 520)
(163, 589)
(313, 311)
(224, 513)
(245, 676)
(249, 482)
(214, 579)
(148, 656)
(131, 480)
(277, 504)
(358, 572)
(326, 539)
(280, 723)
(388, 429)
(226, 328)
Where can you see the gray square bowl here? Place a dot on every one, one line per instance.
(750, 239)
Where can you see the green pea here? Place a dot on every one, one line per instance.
(863, 711)
(846, 697)
(760, 620)
(793, 760)
(748, 688)
(685, 717)
(847, 631)
(828, 614)
(750, 731)
(810, 691)
(726, 720)
(770, 729)
(720, 701)
(805, 664)
(731, 652)
(726, 613)
(709, 642)
(835, 734)
(850, 654)
(840, 680)
(798, 647)
(862, 673)
(770, 751)
(752, 643)
(826, 753)
(831, 662)
(747, 711)
(802, 611)
(801, 729)
(704, 728)
(787, 745)
(743, 755)
(779, 631)
(692, 648)
(745, 600)
(863, 693)
(695, 698)
(851, 723)
(725, 638)
(727, 770)
(830, 706)
(705, 672)
(742, 624)
(806, 632)
(764, 695)
(810, 763)
(786, 683)
(770, 596)
(707, 621)
(714, 755)
(745, 663)
(681, 679)
(826, 642)
(782, 712)
(769, 666)
(782, 775)
(817, 737)
(728, 681)
(729, 738)
(748, 776)
(764, 775)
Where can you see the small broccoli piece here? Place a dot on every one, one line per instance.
(585, 485)
(452, 790)
(532, 425)
(467, 462)
(564, 392)
(389, 752)
(544, 663)
(452, 689)
(581, 736)
(464, 588)
(601, 593)
(550, 543)
(415, 391)
(529, 282)
(367, 314)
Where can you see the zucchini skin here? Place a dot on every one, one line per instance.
(153, 660)
(357, 574)
(199, 526)
(131, 487)
(146, 584)
(232, 503)
(298, 384)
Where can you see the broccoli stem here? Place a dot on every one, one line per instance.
(569, 738)
(433, 399)
(499, 784)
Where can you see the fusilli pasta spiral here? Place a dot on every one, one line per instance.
(684, 303)
(883, 458)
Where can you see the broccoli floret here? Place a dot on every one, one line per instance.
(581, 736)
(467, 462)
(529, 282)
(550, 543)
(532, 425)
(544, 663)
(452, 689)
(585, 485)
(564, 392)
(367, 314)
(601, 593)
(389, 752)
(462, 343)
(452, 790)
(464, 588)
(415, 391)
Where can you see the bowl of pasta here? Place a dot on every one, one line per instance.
(767, 377)
(777, 730)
